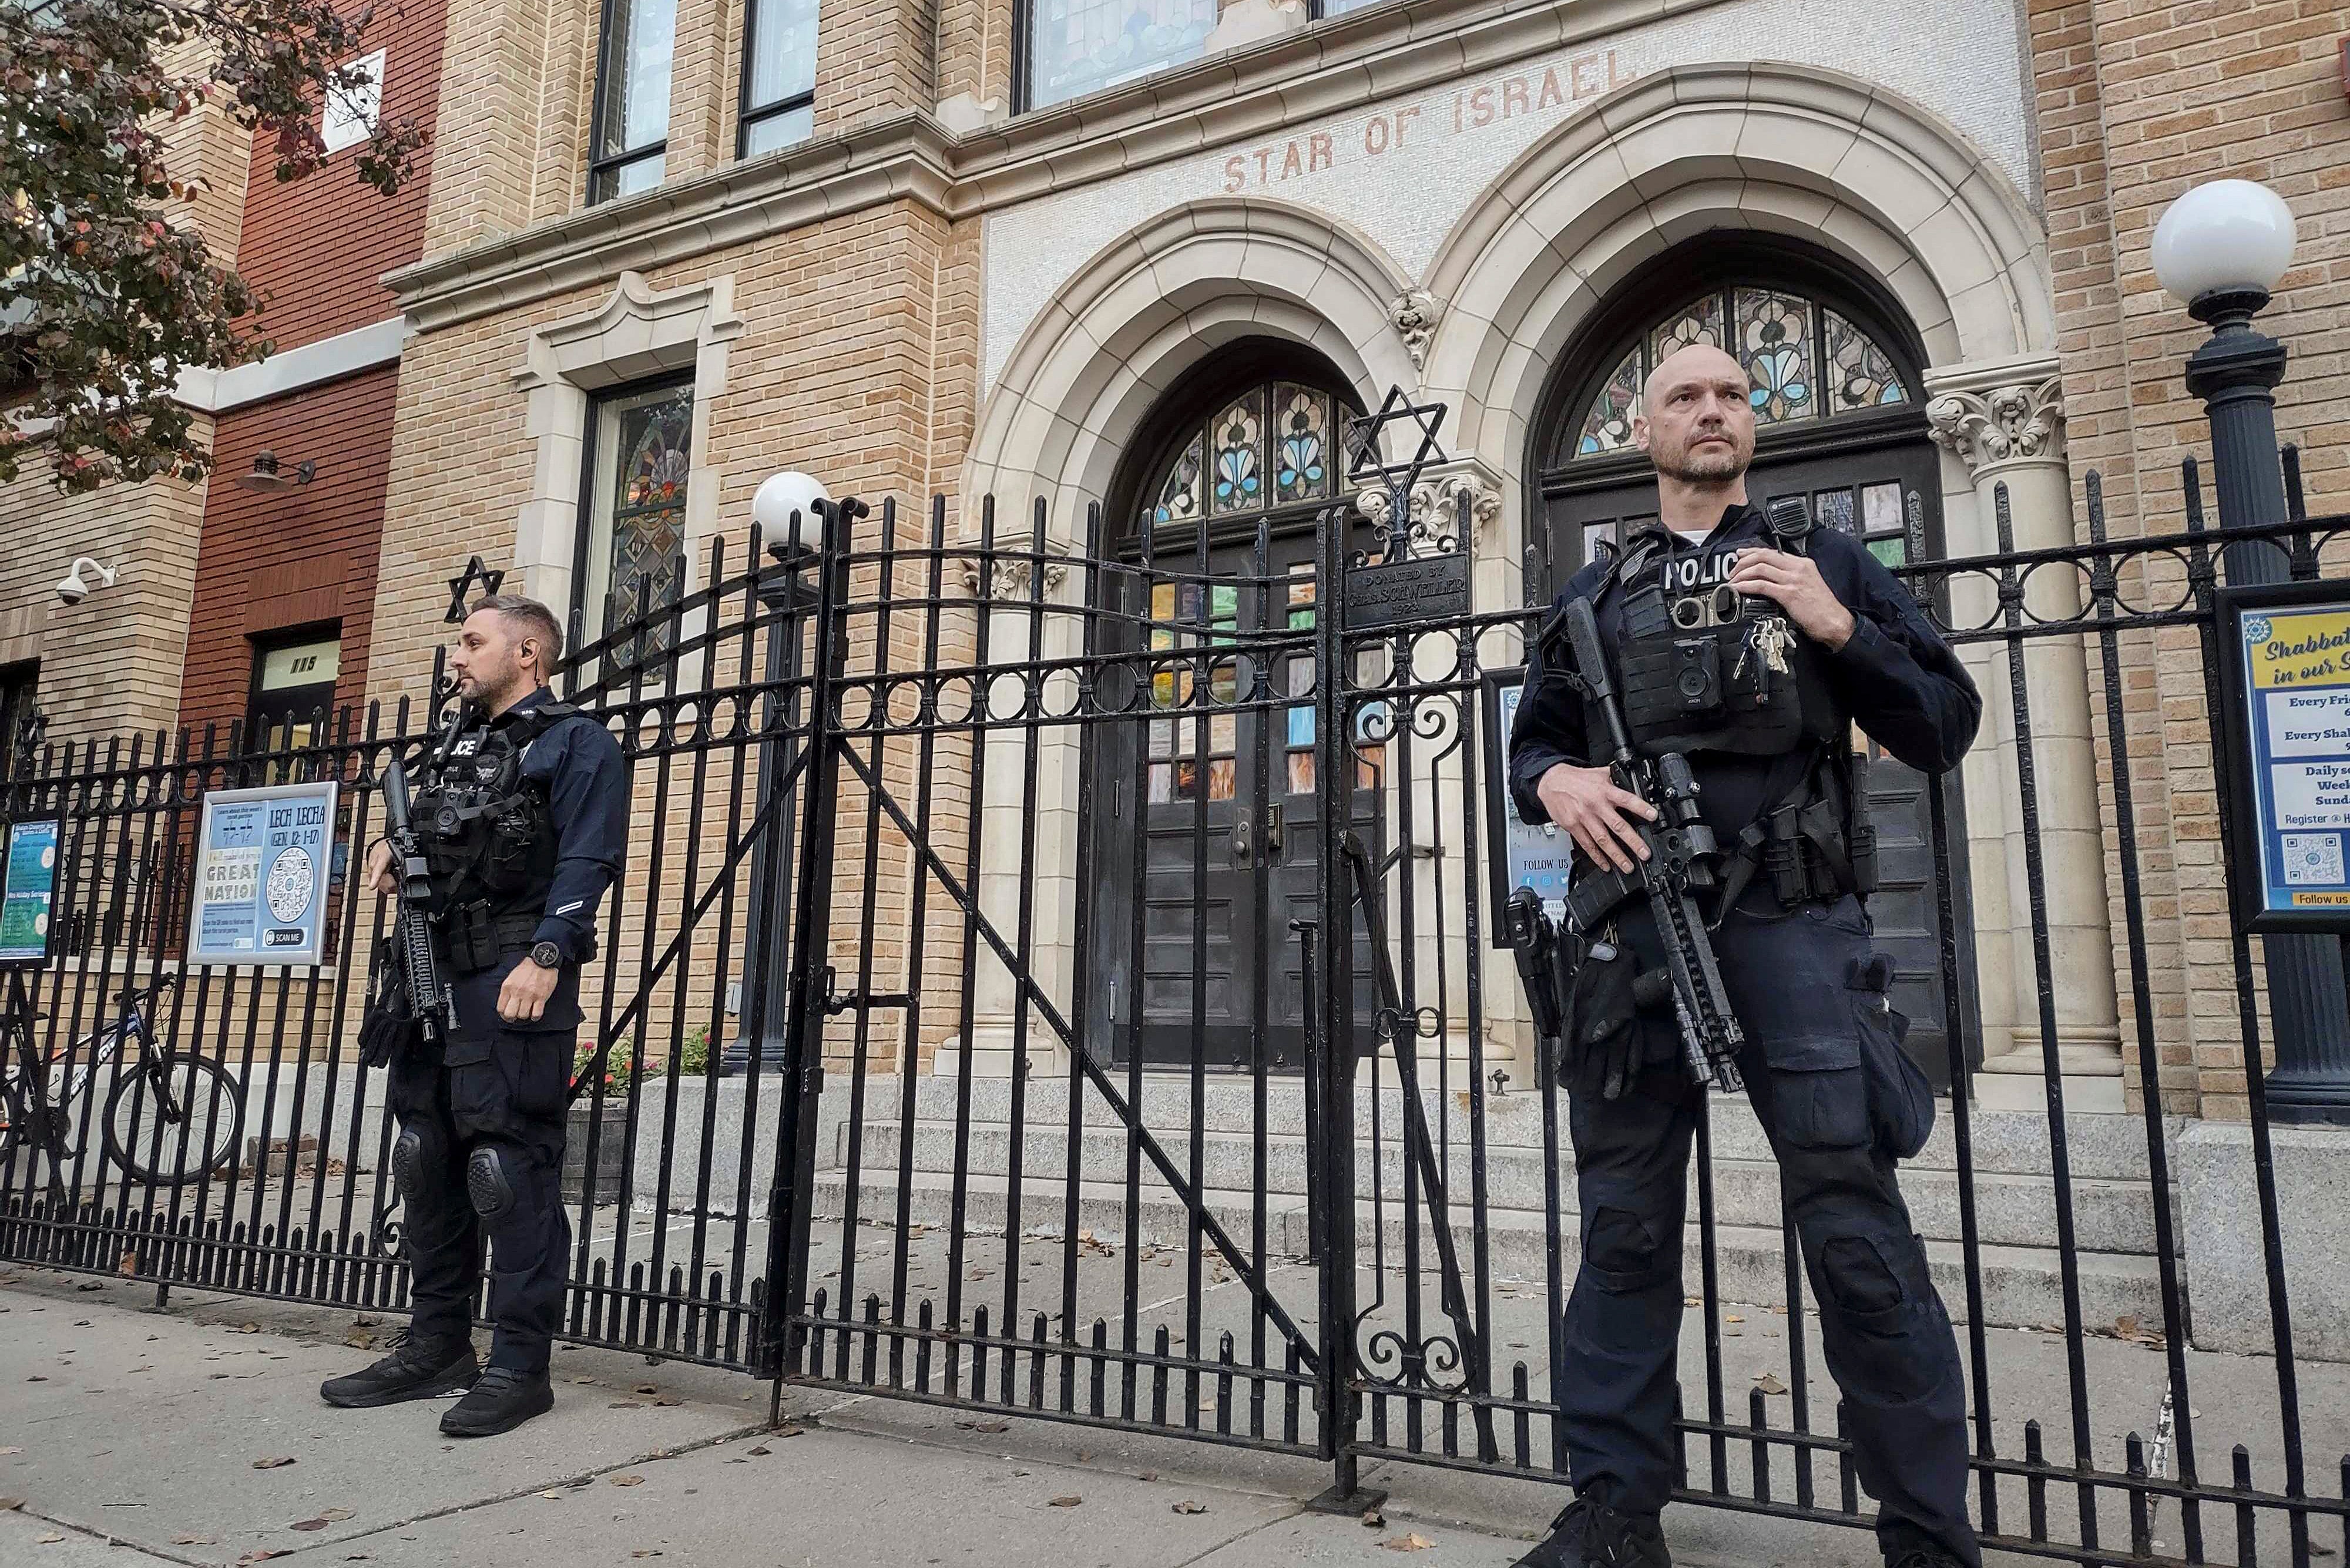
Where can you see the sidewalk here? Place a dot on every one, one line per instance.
(134, 1437)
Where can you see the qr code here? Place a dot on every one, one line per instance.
(2312, 859)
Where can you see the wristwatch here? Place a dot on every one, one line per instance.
(546, 955)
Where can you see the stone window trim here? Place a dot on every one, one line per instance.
(637, 334)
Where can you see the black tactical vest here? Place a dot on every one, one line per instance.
(1703, 667)
(488, 835)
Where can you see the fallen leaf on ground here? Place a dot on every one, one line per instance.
(628, 1480)
(307, 1524)
(273, 1461)
(646, 1552)
(991, 1426)
(11, 1451)
(1770, 1384)
(1731, 1317)
(1188, 1506)
(128, 1266)
(554, 1492)
(1064, 1502)
(624, 1405)
(760, 1452)
(11, 1504)
(49, 1539)
(647, 1389)
(334, 1513)
(196, 1541)
(1410, 1541)
(1373, 1520)
(665, 1399)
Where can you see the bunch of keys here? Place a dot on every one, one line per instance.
(1767, 636)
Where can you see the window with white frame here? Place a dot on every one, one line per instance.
(631, 109)
(778, 76)
(350, 113)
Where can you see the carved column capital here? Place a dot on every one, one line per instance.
(2016, 422)
(1010, 584)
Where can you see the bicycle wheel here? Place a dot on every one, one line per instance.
(172, 1120)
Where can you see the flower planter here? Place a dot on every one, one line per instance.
(611, 1151)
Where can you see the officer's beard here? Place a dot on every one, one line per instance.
(1716, 465)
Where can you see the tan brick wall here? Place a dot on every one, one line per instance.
(857, 363)
(974, 50)
(2139, 100)
(111, 663)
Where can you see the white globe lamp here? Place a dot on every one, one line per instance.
(784, 509)
(2224, 238)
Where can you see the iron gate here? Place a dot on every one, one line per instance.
(876, 1117)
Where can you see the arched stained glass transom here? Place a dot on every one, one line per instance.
(1806, 360)
(1273, 444)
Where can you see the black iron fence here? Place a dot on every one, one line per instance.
(1055, 975)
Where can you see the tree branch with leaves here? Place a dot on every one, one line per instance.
(107, 290)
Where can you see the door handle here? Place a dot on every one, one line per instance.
(1240, 838)
(1272, 833)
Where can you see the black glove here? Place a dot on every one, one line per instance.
(1602, 1038)
(388, 1026)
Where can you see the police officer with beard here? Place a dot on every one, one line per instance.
(523, 814)
(1750, 644)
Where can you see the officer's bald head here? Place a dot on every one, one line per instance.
(1696, 421)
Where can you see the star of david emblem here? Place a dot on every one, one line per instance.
(1365, 440)
(461, 584)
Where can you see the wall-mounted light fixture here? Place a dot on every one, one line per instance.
(265, 477)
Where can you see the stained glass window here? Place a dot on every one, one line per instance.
(1237, 438)
(636, 538)
(1273, 445)
(1077, 46)
(1860, 376)
(1608, 426)
(1803, 361)
(1184, 750)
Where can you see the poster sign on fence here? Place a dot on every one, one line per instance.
(263, 857)
(2286, 653)
(28, 892)
(1529, 856)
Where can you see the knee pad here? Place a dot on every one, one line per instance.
(417, 1156)
(488, 1183)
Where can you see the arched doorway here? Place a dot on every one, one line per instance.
(1839, 398)
(1204, 831)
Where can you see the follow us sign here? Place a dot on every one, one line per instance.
(2287, 650)
(262, 860)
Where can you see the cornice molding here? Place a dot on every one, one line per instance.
(1365, 58)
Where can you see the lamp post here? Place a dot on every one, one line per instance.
(784, 509)
(2221, 248)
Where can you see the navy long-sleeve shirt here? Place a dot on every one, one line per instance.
(587, 798)
(1895, 677)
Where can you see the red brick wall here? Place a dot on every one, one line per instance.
(269, 562)
(315, 247)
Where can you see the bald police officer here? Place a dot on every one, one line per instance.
(1752, 649)
(523, 816)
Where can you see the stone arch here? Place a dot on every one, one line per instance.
(1889, 186)
(1147, 307)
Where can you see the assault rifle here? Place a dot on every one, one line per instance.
(1680, 863)
(431, 999)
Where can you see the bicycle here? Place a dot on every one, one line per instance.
(170, 1116)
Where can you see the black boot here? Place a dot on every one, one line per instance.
(416, 1369)
(1591, 1534)
(500, 1399)
(1921, 1557)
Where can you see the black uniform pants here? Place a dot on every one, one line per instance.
(1887, 1340)
(488, 1120)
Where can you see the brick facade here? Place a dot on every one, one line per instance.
(2137, 102)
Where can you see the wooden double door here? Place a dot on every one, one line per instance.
(1205, 813)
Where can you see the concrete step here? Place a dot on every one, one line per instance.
(2010, 1210)
(2021, 1285)
(2104, 1147)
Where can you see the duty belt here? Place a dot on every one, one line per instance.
(478, 938)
